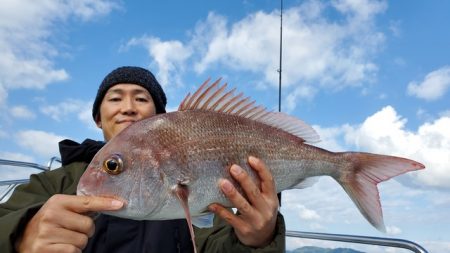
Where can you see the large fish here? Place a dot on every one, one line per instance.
(156, 164)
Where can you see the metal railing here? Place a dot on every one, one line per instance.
(12, 184)
(379, 241)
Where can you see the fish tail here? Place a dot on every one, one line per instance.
(361, 177)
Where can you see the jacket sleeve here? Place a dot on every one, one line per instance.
(28, 198)
(221, 238)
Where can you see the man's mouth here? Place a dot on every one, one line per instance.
(125, 121)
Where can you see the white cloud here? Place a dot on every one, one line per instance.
(16, 157)
(25, 52)
(63, 111)
(385, 133)
(316, 227)
(435, 154)
(393, 230)
(360, 9)
(308, 214)
(85, 116)
(207, 39)
(59, 111)
(324, 204)
(22, 112)
(433, 87)
(91, 9)
(329, 137)
(172, 109)
(26, 32)
(40, 142)
(298, 94)
(437, 246)
(316, 50)
(168, 57)
(404, 209)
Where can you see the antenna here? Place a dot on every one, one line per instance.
(281, 54)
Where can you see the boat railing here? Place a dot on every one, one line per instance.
(368, 240)
(11, 184)
(379, 241)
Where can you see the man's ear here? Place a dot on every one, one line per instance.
(98, 122)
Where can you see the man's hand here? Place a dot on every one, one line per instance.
(61, 225)
(255, 224)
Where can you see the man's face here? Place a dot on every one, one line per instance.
(122, 105)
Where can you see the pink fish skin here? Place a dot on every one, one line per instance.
(179, 157)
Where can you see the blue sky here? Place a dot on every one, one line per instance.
(367, 75)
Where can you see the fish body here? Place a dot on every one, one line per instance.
(179, 157)
(196, 148)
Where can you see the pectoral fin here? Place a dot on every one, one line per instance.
(182, 193)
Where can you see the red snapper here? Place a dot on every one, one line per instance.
(168, 166)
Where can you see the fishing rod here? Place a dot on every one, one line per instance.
(279, 70)
(281, 55)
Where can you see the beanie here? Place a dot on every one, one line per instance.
(133, 75)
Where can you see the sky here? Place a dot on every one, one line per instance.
(371, 76)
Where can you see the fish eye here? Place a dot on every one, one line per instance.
(113, 165)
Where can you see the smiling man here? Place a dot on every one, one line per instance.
(122, 105)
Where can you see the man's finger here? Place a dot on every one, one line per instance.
(64, 248)
(68, 219)
(236, 198)
(80, 223)
(228, 216)
(266, 177)
(247, 183)
(65, 236)
(84, 204)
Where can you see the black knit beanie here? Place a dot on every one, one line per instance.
(133, 75)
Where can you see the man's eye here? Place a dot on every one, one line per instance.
(114, 99)
(142, 99)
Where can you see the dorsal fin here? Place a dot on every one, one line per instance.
(212, 97)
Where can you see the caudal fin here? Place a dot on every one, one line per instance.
(360, 181)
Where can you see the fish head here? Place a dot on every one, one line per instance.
(129, 172)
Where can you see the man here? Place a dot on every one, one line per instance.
(46, 216)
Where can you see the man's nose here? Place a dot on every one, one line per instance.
(128, 106)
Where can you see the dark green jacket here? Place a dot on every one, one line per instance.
(28, 198)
